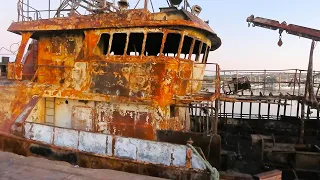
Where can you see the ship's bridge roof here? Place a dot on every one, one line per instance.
(178, 19)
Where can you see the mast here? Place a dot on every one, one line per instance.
(146, 4)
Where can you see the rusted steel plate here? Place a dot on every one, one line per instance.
(15, 97)
(82, 118)
(270, 175)
(95, 143)
(31, 148)
(198, 140)
(127, 19)
(125, 120)
(307, 161)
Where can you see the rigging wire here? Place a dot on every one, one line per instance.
(152, 5)
(136, 4)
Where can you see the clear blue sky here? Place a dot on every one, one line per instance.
(242, 47)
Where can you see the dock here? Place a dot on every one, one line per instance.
(13, 166)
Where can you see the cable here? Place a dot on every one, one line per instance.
(136, 4)
(214, 172)
(152, 5)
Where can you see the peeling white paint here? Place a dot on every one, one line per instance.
(198, 71)
(137, 150)
(126, 148)
(39, 133)
(95, 143)
(196, 162)
(79, 75)
(154, 152)
(82, 118)
(66, 138)
(64, 110)
(179, 155)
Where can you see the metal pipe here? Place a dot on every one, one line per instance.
(306, 92)
(146, 4)
(264, 82)
(278, 110)
(28, 9)
(294, 82)
(49, 13)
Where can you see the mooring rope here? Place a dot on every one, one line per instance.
(214, 172)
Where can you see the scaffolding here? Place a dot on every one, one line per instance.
(29, 10)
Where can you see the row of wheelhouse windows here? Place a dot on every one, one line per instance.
(136, 44)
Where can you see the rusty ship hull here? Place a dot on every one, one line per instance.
(95, 90)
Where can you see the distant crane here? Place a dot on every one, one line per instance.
(313, 34)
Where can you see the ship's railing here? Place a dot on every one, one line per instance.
(272, 95)
(209, 87)
(264, 82)
(202, 114)
(29, 10)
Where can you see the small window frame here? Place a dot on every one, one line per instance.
(177, 53)
(98, 42)
(125, 47)
(142, 45)
(205, 57)
(146, 40)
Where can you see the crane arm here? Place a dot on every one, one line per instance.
(292, 29)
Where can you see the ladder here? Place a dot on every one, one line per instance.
(49, 111)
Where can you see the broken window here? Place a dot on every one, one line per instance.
(135, 44)
(187, 43)
(71, 46)
(103, 44)
(207, 55)
(118, 44)
(172, 111)
(203, 53)
(196, 51)
(171, 46)
(153, 44)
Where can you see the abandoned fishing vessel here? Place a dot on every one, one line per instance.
(100, 85)
(97, 90)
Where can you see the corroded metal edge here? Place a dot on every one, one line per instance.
(21, 146)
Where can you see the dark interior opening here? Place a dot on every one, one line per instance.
(153, 44)
(3, 66)
(196, 51)
(203, 53)
(118, 44)
(207, 54)
(172, 111)
(187, 43)
(171, 46)
(71, 46)
(103, 44)
(135, 44)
